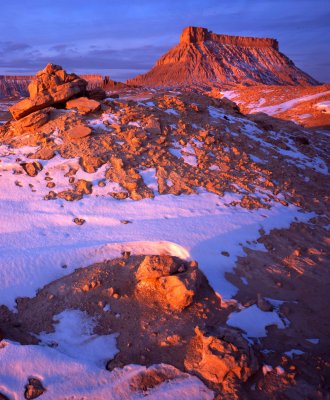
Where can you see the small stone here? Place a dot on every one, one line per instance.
(79, 221)
(125, 221)
(225, 253)
(33, 389)
(51, 195)
(79, 132)
(32, 169)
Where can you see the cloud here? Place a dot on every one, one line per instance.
(123, 63)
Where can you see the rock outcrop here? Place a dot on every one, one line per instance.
(205, 59)
(17, 86)
(218, 360)
(51, 86)
(173, 283)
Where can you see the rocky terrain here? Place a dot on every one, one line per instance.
(305, 105)
(204, 59)
(167, 241)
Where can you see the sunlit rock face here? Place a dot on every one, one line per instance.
(203, 58)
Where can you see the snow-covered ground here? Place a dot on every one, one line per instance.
(278, 108)
(69, 378)
(39, 237)
(323, 106)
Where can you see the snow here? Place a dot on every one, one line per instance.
(244, 280)
(293, 156)
(313, 341)
(230, 94)
(149, 177)
(67, 378)
(279, 108)
(293, 352)
(171, 111)
(254, 321)
(74, 337)
(188, 155)
(38, 236)
(323, 106)
(100, 122)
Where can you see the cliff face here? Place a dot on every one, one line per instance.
(17, 86)
(14, 86)
(203, 58)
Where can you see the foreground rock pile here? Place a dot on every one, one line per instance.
(51, 86)
(163, 309)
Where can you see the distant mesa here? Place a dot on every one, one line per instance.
(205, 59)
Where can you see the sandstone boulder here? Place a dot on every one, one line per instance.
(153, 267)
(172, 280)
(217, 360)
(32, 121)
(51, 86)
(83, 105)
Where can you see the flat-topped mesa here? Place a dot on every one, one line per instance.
(203, 59)
(193, 34)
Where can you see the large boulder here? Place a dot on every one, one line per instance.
(169, 280)
(32, 121)
(51, 86)
(224, 357)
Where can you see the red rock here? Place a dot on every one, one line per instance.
(45, 153)
(79, 132)
(205, 59)
(32, 121)
(83, 105)
(51, 86)
(32, 169)
(217, 360)
(33, 389)
(175, 282)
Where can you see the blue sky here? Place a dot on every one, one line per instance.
(123, 38)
